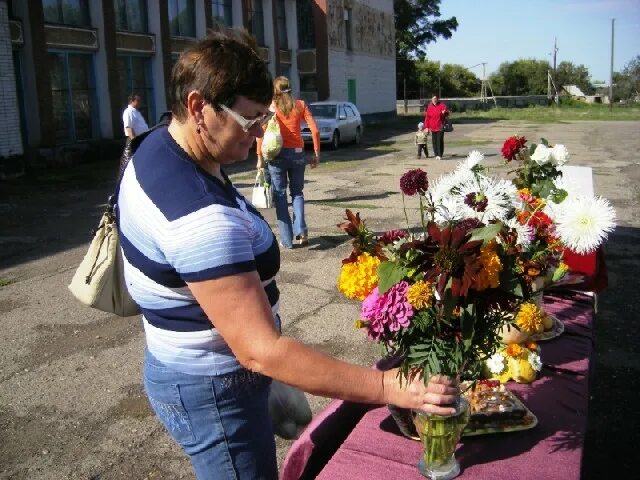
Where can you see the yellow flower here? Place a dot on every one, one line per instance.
(360, 324)
(419, 294)
(530, 318)
(489, 275)
(359, 278)
(513, 350)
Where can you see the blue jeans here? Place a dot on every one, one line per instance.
(288, 168)
(222, 423)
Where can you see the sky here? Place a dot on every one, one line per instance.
(496, 31)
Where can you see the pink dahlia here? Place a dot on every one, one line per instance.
(389, 312)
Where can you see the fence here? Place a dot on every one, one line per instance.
(463, 104)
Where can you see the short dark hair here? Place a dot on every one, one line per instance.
(133, 96)
(222, 67)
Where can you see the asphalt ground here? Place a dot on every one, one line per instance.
(71, 400)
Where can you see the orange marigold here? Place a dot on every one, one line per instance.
(514, 350)
(419, 294)
(489, 275)
(358, 279)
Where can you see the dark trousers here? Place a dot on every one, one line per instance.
(422, 147)
(437, 138)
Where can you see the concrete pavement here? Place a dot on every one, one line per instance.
(71, 401)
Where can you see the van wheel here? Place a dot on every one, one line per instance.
(358, 138)
(335, 140)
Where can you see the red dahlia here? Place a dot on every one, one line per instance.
(512, 146)
(414, 181)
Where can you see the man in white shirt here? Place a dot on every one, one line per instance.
(134, 123)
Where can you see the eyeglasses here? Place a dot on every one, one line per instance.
(247, 124)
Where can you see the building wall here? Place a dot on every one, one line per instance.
(10, 136)
(371, 61)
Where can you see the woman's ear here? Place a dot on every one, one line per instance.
(195, 106)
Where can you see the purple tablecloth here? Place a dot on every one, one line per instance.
(347, 441)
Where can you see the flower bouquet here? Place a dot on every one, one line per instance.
(576, 223)
(437, 295)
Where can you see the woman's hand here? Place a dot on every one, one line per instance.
(260, 164)
(437, 397)
(315, 160)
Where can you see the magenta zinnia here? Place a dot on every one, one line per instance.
(414, 181)
(388, 312)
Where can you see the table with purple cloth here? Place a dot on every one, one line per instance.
(349, 441)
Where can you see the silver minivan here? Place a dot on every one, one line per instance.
(338, 122)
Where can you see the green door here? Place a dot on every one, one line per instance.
(351, 90)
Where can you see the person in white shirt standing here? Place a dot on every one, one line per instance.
(134, 122)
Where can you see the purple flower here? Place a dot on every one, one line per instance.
(414, 181)
(476, 200)
(389, 312)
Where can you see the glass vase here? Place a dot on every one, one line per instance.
(440, 436)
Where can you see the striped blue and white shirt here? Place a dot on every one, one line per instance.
(180, 224)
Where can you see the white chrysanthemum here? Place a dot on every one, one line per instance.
(534, 361)
(443, 185)
(525, 232)
(495, 364)
(501, 198)
(582, 223)
(447, 209)
(560, 154)
(541, 155)
(473, 159)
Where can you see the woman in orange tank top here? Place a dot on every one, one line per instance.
(287, 168)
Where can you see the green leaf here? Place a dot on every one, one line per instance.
(544, 188)
(545, 142)
(509, 282)
(388, 275)
(486, 233)
(559, 195)
(467, 325)
(532, 148)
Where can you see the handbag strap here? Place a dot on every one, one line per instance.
(130, 149)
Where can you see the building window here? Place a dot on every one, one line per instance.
(131, 15)
(285, 70)
(67, 12)
(135, 77)
(74, 96)
(306, 30)
(222, 12)
(256, 21)
(283, 39)
(348, 25)
(182, 18)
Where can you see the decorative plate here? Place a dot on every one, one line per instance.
(502, 426)
(556, 330)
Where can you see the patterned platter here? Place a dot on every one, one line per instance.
(502, 426)
(556, 330)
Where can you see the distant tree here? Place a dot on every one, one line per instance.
(522, 77)
(459, 81)
(627, 83)
(449, 79)
(417, 24)
(568, 73)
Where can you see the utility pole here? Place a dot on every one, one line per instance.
(555, 50)
(611, 70)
